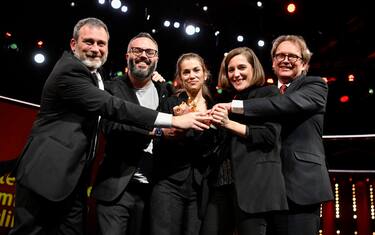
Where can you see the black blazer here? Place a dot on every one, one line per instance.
(256, 161)
(124, 143)
(61, 140)
(177, 158)
(301, 111)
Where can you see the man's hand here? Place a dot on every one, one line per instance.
(156, 77)
(194, 120)
(173, 133)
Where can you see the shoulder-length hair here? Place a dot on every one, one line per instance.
(258, 72)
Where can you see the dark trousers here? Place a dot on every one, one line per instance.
(224, 217)
(300, 219)
(35, 215)
(174, 208)
(219, 218)
(127, 215)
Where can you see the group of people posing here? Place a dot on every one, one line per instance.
(177, 161)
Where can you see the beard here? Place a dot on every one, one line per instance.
(141, 74)
(91, 63)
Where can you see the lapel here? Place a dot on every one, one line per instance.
(127, 90)
(295, 84)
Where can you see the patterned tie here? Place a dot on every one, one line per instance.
(283, 89)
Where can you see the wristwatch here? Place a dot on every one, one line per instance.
(158, 132)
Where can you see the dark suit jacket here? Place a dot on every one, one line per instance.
(176, 158)
(124, 143)
(301, 110)
(61, 140)
(256, 161)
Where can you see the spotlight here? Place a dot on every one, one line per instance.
(291, 8)
(116, 4)
(240, 38)
(124, 8)
(190, 29)
(167, 23)
(39, 58)
(261, 43)
(176, 24)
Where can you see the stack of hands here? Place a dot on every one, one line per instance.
(213, 118)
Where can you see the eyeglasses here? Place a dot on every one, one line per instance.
(291, 57)
(137, 51)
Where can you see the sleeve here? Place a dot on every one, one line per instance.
(76, 88)
(310, 97)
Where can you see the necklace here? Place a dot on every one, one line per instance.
(194, 104)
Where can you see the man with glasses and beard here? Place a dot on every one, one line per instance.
(123, 185)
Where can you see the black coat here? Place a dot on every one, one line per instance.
(256, 161)
(61, 141)
(301, 111)
(176, 158)
(124, 143)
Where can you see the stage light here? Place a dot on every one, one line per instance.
(240, 38)
(101, 1)
(166, 23)
(217, 33)
(116, 4)
(8, 34)
(72, 4)
(351, 78)
(205, 8)
(261, 43)
(124, 8)
(291, 8)
(39, 44)
(370, 91)
(329, 80)
(344, 99)
(13, 46)
(270, 81)
(39, 58)
(176, 24)
(190, 29)
(219, 90)
(153, 30)
(197, 29)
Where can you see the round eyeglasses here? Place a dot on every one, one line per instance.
(137, 51)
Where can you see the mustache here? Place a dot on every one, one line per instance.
(145, 60)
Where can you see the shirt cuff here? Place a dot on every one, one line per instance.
(237, 106)
(163, 120)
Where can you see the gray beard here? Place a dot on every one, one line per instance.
(92, 65)
(141, 75)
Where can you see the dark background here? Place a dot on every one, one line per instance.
(339, 33)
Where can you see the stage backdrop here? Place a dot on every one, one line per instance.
(16, 119)
(352, 211)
